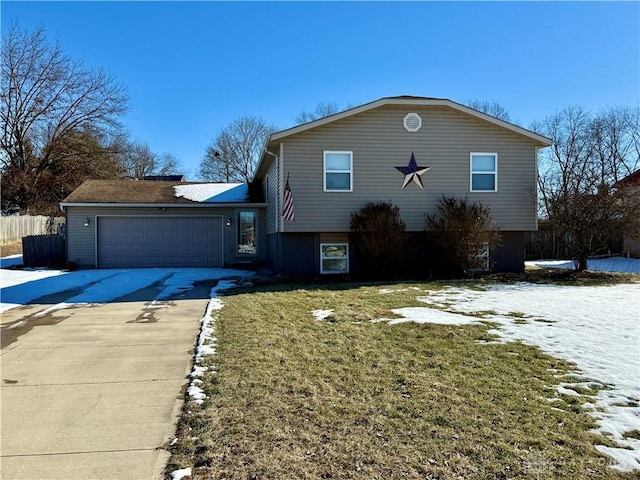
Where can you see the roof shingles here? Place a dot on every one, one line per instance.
(128, 192)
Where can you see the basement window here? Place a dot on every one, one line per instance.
(334, 258)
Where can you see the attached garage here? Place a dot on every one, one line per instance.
(134, 242)
(166, 224)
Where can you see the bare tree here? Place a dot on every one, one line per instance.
(590, 154)
(322, 109)
(168, 164)
(493, 108)
(233, 154)
(52, 111)
(81, 156)
(47, 96)
(138, 161)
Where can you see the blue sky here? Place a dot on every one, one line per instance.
(190, 68)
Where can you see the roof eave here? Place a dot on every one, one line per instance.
(411, 101)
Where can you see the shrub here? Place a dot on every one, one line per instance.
(377, 233)
(463, 230)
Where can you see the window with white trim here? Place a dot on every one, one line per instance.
(334, 258)
(338, 171)
(484, 172)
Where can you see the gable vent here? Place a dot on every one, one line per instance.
(412, 122)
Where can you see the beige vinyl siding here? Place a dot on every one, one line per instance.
(334, 237)
(81, 240)
(273, 216)
(379, 143)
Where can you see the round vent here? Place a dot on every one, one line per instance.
(412, 122)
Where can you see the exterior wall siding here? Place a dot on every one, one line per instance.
(82, 241)
(299, 254)
(272, 193)
(379, 143)
(509, 256)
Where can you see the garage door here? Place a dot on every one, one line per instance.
(126, 242)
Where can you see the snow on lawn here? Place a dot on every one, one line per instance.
(20, 287)
(611, 264)
(321, 314)
(206, 342)
(595, 327)
(206, 346)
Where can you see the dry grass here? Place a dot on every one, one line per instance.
(10, 249)
(295, 398)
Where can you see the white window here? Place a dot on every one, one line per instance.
(334, 258)
(484, 172)
(338, 171)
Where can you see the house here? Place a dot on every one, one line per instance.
(128, 223)
(630, 185)
(407, 150)
(336, 164)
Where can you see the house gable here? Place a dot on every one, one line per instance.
(379, 142)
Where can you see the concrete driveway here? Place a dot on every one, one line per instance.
(94, 391)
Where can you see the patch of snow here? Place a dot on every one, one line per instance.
(59, 306)
(611, 264)
(10, 278)
(597, 328)
(11, 260)
(206, 344)
(430, 315)
(179, 474)
(627, 459)
(20, 287)
(198, 371)
(213, 192)
(562, 390)
(321, 314)
(384, 291)
(196, 393)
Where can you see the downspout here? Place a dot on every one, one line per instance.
(65, 234)
(277, 262)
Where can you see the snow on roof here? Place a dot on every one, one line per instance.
(213, 192)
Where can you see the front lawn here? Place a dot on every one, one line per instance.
(294, 397)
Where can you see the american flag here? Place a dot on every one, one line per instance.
(287, 203)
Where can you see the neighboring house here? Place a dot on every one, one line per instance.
(335, 165)
(129, 223)
(407, 150)
(631, 186)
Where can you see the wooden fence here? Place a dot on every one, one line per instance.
(43, 251)
(14, 227)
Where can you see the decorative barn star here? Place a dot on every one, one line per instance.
(413, 172)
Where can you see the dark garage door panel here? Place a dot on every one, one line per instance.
(125, 242)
